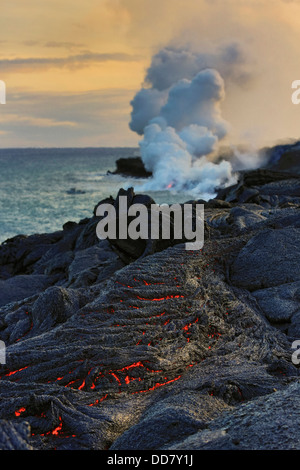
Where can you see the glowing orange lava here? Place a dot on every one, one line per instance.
(19, 411)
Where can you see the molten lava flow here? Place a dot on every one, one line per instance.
(19, 411)
(124, 285)
(14, 372)
(110, 310)
(138, 364)
(129, 379)
(82, 385)
(117, 378)
(158, 315)
(161, 298)
(58, 428)
(158, 385)
(25, 334)
(135, 364)
(98, 401)
(55, 431)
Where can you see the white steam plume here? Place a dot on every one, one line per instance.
(181, 122)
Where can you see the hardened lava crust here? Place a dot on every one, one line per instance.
(166, 349)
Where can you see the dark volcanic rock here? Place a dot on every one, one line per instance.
(135, 345)
(270, 258)
(22, 286)
(55, 306)
(279, 303)
(93, 263)
(165, 338)
(132, 166)
(267, 423)
(172, 419)
(130, 249)
(14, 436)
(263, 176)
(263, 186)
(289, 161)
(19, 254)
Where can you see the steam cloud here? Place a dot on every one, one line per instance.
(178, 113)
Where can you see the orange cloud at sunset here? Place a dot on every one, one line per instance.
(79, 64)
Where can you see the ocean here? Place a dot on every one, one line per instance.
(42, 188)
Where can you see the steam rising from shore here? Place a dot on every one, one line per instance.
(179, 116)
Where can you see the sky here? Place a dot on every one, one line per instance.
(72, 68)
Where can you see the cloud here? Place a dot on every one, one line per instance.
(146, 105)
(16, 119)
(196, 102)
(171, 64)
(70, 45)
(28, 64)
(93, 118)
(252, 43)
(168, 91)
(63, 44)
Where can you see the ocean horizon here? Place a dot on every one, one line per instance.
(43, 188)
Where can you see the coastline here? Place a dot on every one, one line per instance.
(174, 350)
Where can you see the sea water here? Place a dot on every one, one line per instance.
(42, 188)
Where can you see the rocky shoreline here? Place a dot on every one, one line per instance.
(114, 346)
(132, 166)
